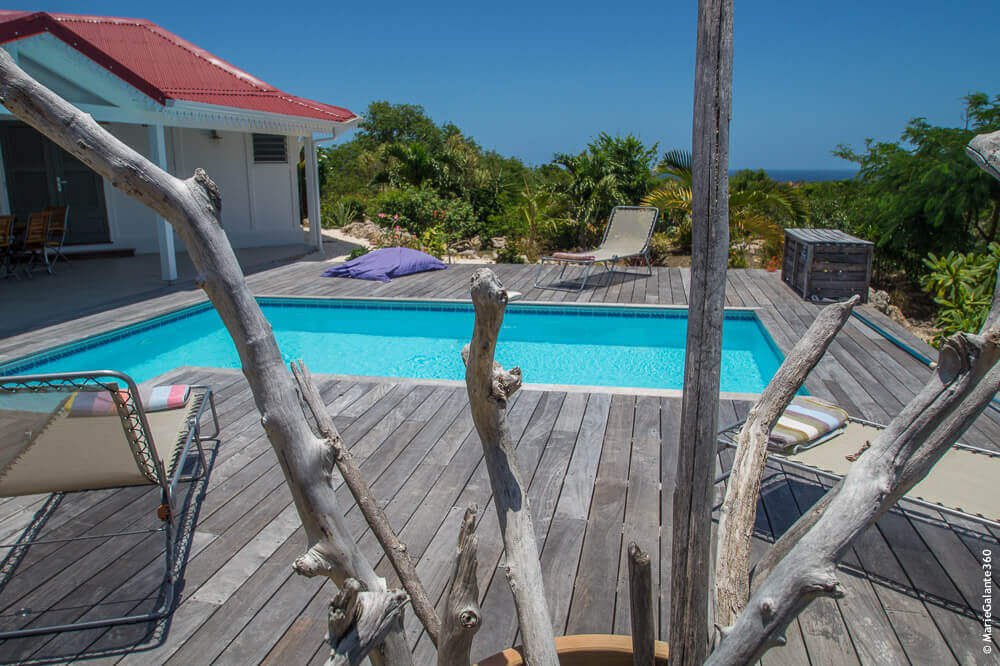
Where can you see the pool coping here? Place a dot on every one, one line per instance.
(167, 315)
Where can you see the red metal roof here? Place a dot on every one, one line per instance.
(162, 65)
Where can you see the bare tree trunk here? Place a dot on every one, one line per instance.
(394, 549)
(640, 588)
(965, 381)
(691, 558)
(739, 509)
(489, 387)
(193, 207)
(462, 614)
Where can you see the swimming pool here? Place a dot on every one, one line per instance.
(640, 347)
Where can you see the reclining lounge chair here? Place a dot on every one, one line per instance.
(812, 436)
(92, 430)
(627, 235)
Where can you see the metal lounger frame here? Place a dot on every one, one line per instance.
(608, 263)
(135, 419)
(726, 436)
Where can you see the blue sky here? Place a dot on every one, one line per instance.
(534, 78)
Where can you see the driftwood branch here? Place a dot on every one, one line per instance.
(359, 620)
(489, 387)
(899, 457)
(691, 557)
(640, 588)
(739, 509)
(462, 615)
(193, 207)
(394, 549)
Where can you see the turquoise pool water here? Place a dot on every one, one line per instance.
(596, 346)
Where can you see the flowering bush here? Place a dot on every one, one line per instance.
(419, 209)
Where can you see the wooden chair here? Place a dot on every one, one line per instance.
(33, 247)
(6, 245)
(55, 236)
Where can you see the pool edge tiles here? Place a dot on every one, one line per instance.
(657, 374)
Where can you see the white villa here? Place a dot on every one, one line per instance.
(176, 103)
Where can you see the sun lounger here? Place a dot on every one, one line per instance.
(627, 235)
(963, 482)
(92, 430)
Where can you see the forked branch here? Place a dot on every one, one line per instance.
(739, 509)
(394, 549)
(489, 387)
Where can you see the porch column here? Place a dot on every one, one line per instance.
(164, 232)
(312, 193)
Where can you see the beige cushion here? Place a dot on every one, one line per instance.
(963, 480)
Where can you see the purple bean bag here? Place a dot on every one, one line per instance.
(385, 264)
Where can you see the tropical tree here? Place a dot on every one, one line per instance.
(538, 212)
(757, 205)
(925, 195)
(612, 171)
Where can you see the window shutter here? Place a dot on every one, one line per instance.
(269, 149)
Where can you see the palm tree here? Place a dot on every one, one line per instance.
(755, 210)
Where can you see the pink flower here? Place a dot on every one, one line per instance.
(381, 214)
(395, 217)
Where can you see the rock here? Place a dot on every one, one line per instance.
(897, 315)
(498, 242)
(467, 253)
(879, 300)
(461, 246)
(366, 229)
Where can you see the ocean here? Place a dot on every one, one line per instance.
(806, 175)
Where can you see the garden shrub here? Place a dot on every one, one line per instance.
(962, 285)
(418, 209)
(357, 252)
(661, 246)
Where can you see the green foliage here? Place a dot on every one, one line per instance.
(435, 241)
(924, 195)
(737, 258)
(386, 123)
(962, 285)
(418, 209)
(758, 206)
(612, 171)
(340, 212)
(357, 252)
(661, 246)
(509, 255)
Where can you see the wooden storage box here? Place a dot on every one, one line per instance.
(826, 264)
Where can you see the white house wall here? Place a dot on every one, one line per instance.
(259, 201)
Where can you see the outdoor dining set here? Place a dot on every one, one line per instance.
(32, 245)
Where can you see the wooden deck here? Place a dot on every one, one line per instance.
(601, 474)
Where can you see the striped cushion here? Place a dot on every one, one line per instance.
(806, 420)
(100, 403)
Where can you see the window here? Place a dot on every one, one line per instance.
(269, 149)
